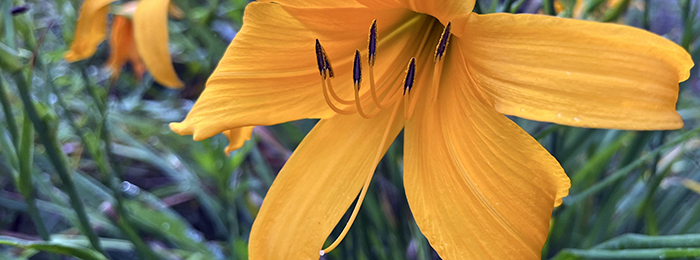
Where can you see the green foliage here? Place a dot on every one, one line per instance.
(89, 168)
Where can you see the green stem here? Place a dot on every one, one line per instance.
(26, 154)
(110, 177)
(548, 6)
(646, 23)
(24, 146)
(630, 241)
(616, 12)
(9, 116)
(507, 5)
(50, 142)
(688, 17)
(656, 253)
(653, 184)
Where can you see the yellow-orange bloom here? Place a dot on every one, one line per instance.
(147, 45)
(478, 185)
(123, 48)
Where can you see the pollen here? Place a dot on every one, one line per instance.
(372, 43)
(444, 40)
(410, 76)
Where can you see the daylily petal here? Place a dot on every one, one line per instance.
(444, 10)
(317, 4)
(90, 30)
(577, 73)
(255, 85)
(121, 44)
(478, 185)
(317, 185)
(151, 33)
(237, 137)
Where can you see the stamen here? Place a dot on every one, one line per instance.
(357, 79)
(437, 69)
(330, 103)
(327, 61)
(444, 40)
(335, 95)
(408, 85)
(378, 156)
(410, 76)
(372, 47)
(326, 70)
(357, 70)
(324, 67)
(320, 59)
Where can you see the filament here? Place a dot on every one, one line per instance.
(359, 106)
(336, 97)
(372, 88)
(365, 186)
(330, 103)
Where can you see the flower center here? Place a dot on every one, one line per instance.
(387, 97)
(370, 103)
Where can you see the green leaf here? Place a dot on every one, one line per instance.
(54, 246)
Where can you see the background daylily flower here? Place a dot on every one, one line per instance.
(143, 42)
(478, 185)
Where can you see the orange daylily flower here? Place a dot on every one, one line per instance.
(477, 184)
(123, 48)
(143, 42)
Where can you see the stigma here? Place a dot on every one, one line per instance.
(377, 97)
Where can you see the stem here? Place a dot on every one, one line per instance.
(11, 123)
(507, 5)
(646, 23)
(110, 177)
(26, 154)
(548, 6)
(616, 12)
(48, 139)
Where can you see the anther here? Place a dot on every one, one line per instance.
(444, 40)
(327, 61)
(320, 59)
(372, 45)
(410, 76)
(372, 48)
(357, 70)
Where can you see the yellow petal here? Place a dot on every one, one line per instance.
(237, 137)
(479, 187)
(444, 10)
(316, 4)
(151, 33)
(121, 44)
(269, 73)
(317, 185)
(577, 73)
(90, 30)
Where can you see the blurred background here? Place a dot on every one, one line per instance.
(105, 178)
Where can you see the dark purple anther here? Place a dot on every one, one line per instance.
(410, 76)
(372, 46)
(357, 70)
(444, 39)
(320, 58)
